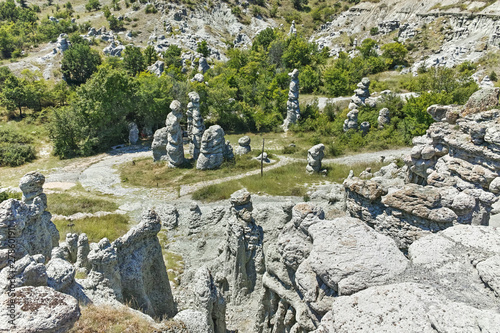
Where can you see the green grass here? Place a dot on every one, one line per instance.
(146, 173)
(289, 180)
(111, 226)
(67, 204)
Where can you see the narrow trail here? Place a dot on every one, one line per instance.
(101, 175)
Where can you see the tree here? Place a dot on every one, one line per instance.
(309, 80)
(298, 4)
(93, 5)
(78, 64)
(150, 55)
(203, 48)
(13, 95)
(367, 48)
(264, 38)
(114, 23)
(394, 53)
(133, 61)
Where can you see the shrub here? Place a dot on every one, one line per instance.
(15, 154)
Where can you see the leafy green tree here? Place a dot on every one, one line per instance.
(264, 39)
(172, 56)
(203, 48)
(367, 48)
(93, 5)
(298, 53)
(309, 80)
(133, 60)
(394, 53)
(14, 94)
(150, 55)
(299, 4)
(114, 23)
(79, 62)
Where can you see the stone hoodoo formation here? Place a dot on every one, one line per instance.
(451, 176)
(383, 118)
(213, 146)
(314, 157)
(361, 94)
(292, 105)
(352, 120)
(243, 145)
(195, 124)
(175, 149)
(133, 133)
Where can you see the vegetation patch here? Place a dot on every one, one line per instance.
(289, 180)
(65, 204)
(108, 319)
(146, 173)
(111, 226)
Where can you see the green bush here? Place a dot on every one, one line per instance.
(15, 154)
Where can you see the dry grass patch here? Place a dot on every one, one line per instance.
(66, 204)
(111, 226)
(107, 319)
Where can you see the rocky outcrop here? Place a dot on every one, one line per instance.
(175, 149)
(352, 120)
(38, 309)
(314, 157)
(211, 149)
(242, 257)
(196, 128)
(292, 105)
(114, 49)
(133, 133)
(316, 260)
(228, 151)
(203, 65)
(159, 145)
(243, 145)
(361, 94)
(157, 68)
(144, 280)
(209, 313)
(383, 118)
(27, 222)
(482, 100)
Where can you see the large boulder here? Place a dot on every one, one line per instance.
(37, 309)
(482, 100)
(212, 148)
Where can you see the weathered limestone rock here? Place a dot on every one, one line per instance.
(114, 49)
(352, 120)
(62, 43)
(292, 106)
(316, 260)
(198, 77)
(28, 271)
(203, 65)
(61, 275)
(383, 118)
(408, 307)
(293, 30)
(169, 216)
(133, 133)
(244, 145)
(157, 68)
(144, 280)
(314, 157)
(159, 145)
(444, 112)
(175, 149)
(82, 253)
(482, 100)
(361, 94)
(28, 222)
(211, 149)
(38, 309)
(197, 127)
(242, 257)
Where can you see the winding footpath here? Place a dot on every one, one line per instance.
(101, 174)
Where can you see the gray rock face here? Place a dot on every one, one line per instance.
(408, 307)
(157, 68)
(352, 120)
(314, 157)
(361, 94)
(482, 100)
(28, 221)
(114, 49)
(169, 216)
(198, 77)
(293, 30)
(197, 127)
(364, 127)
(383, 118)
(62, 42)
(43, 310)
(175, 149)
(203, 65)
(228, 151)
(159, 145)
(28, 271)
(243, 145)
(61, 275)
(144, 280)
(316, 260)
(292, 105)
(211, 149)
(242, 257)
(133, 133)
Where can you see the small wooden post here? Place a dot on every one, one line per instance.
(262, 160)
